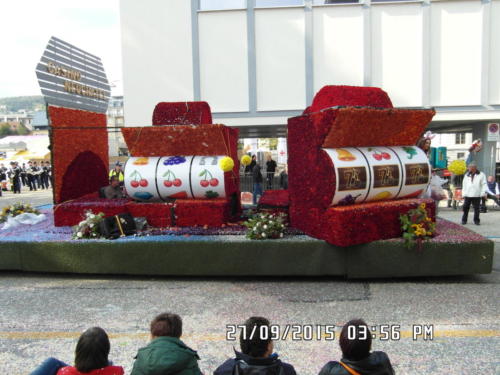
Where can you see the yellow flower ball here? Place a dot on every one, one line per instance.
(457, 167)
(226, 164)
(246, 160)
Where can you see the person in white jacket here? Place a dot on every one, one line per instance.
(473, 189)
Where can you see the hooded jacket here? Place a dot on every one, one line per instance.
(474, 185)
(166, 355)
(377, 363)
(272, 362)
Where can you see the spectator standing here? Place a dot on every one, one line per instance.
(473, 188)
(355, 342)
(256, 355)
(91, 357)
(284, 178)
(270, 171)
(492, 192)
(249, 167)
(117, 172)
(257, 182)
(166, 354)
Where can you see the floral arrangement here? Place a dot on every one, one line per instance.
(182, 113)
(17, 209)
(70, 213)
(265, 226)
(75, 132)
(330, 96)
(417, 226)
(180, 140)
(89, 227)
(457, 167)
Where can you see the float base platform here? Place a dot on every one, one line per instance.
(237, 256)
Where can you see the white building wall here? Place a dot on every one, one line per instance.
(338, 46)
(422, 53)
(157, 56)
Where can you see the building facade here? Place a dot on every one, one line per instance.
(258, 62)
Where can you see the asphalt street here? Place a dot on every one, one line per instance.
(43, 315)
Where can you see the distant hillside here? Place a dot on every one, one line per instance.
(29, 103)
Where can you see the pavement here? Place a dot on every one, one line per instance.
(43, 315)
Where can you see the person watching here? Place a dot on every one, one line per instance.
(113, 190)
(118, 173)
(355, 342)
(256, 356)
(473, 188)
(166, 354)
(492, 192)
(91, 357)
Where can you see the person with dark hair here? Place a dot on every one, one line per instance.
(113, 190)
(355, 342)
(257, 182)
(249, 167)
(256, 355)
(166, 353)
(270, 171)
(91, 357)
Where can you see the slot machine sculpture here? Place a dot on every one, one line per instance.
(175, 174)
(352, 165)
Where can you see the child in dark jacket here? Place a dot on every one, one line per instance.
(355, 342)
(257, 356)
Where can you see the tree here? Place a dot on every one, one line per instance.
(5, 130)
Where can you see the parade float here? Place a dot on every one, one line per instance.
(352, 207)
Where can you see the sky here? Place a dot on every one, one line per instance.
(27, 25)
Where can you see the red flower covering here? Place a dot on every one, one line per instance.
(274, 198)
(179, 140)
(182, 113)
(72, 212)
(311, 177)
(311, 172)
(367, 222)
(157, 214)
(82, 135)
(357, 127)
(331, 96)
(86, 174)
(210, 212)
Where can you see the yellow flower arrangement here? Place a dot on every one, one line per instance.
(246, 160)
(226, 164)
(457, 167)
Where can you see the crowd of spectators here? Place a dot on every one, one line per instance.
(167, 354)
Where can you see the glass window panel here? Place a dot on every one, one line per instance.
(222, 4)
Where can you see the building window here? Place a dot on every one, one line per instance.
(222, 4)
(460, 155)
(322, 2)
(277, 3)
(460, 138)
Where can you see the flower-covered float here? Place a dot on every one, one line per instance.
(353, 167)
(183, 171)
(354, 181)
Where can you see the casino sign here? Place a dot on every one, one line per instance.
(72, 78)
